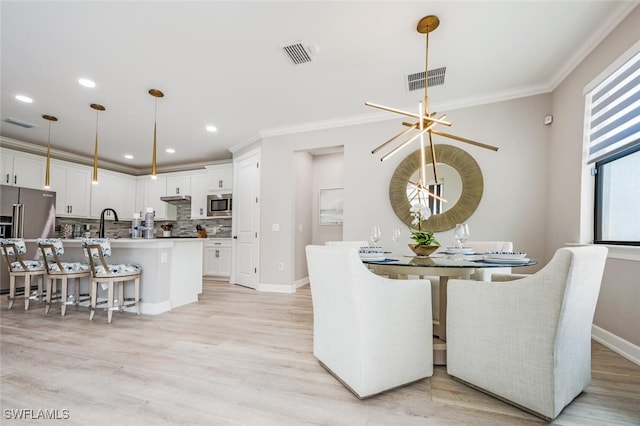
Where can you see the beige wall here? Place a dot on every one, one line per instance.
(570, 187)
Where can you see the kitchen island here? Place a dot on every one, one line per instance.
(171, 268)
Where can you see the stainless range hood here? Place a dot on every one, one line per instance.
(177, 199)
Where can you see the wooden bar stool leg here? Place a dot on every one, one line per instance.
(27, 291)
(12, 290)
(93, 289)
(110, 301)
(47, 299)
(137, 294)
(76, 291)
(121, 296)
(63, 295)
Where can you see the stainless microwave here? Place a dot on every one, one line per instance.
(219, 205)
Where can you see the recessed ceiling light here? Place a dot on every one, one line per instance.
(23, 98)
(211, 128)
(171, 150)
(86, 82)
(128, 156)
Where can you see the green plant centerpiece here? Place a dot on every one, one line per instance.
(425, 241)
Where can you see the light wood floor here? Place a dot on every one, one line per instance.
(240, 357)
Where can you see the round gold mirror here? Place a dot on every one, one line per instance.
(466, 187)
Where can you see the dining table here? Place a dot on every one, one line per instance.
(442, 265)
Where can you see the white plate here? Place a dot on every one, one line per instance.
(374, 259)
(459, 250)
(511, 261)
(506, 255)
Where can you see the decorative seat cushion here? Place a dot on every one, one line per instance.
(69, 267)
(57, 246)
(104, 243)
(32, 265)
(120, 269)
(18, 242)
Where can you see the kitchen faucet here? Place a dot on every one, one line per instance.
(101, 230)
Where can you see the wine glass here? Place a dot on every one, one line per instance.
(375, 235)
(395, 236)
(461, 233)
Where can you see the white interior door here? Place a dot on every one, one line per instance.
(246, 220)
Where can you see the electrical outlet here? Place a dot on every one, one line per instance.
(280, 266)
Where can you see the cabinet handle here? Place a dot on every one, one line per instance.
(177, 191)
(201, 211)
(15, 179)
(217, 253)
(220, 183)
(8, 178)
(70, 209)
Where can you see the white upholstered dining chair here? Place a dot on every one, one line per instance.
(372, 333)
(528, 341)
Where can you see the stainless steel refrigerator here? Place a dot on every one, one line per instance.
(25, 213)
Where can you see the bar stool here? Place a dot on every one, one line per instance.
(12, 251)
(108, 275)
(52, 249)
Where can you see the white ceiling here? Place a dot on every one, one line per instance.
(220, 63)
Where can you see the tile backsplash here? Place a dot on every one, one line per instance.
(183, 226)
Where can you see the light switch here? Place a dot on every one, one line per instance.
(275, 227)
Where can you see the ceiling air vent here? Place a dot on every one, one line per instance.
(296, 53)
(20, 123)
(436, 78)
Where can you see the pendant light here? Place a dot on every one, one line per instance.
(98, 108)
(426, 120)
(47, 173)
(156, 94)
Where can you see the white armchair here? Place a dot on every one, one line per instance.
(528, 341)
(372, 333)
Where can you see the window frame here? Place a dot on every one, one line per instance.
(598, 193)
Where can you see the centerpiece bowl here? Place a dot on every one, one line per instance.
(422, 250)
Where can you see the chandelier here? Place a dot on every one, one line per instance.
(426, 122)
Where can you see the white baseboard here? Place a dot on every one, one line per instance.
(616, 344)
(301, 282)
(276, 288)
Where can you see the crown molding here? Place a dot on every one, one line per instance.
(30, 148)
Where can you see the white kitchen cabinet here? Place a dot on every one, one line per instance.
(152, 190)
(199, 195)
(178, 185)
(217, 258)
(115, 191)
(220, 178)
(22, 169)
(72, 184)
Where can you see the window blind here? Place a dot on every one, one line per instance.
(613, 111)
